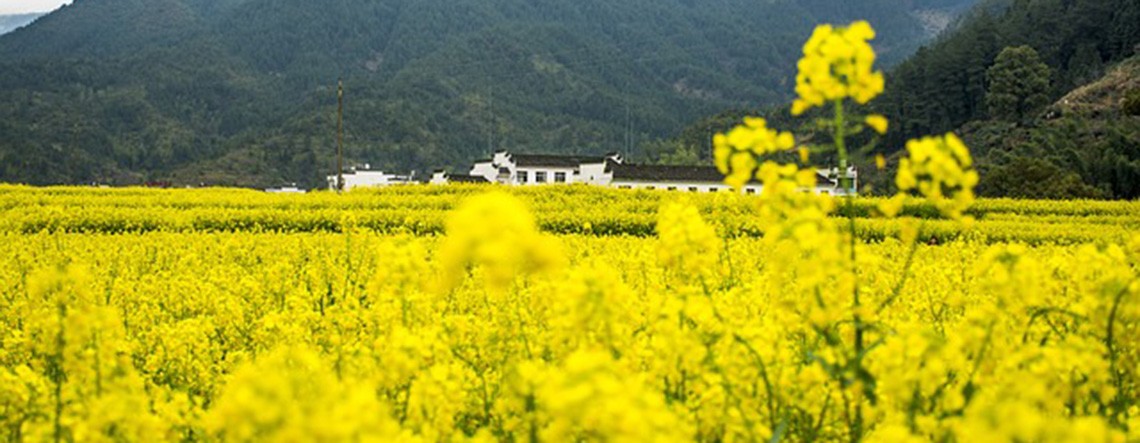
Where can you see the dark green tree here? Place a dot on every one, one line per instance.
(1018, 84)
(1132, 102)
(1031, 177)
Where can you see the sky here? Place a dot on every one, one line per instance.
(22, 6)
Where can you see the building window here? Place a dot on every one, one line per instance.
(522, 176)
(623, 187)
(540, 176)
(672, 188)
(650, 188)
(560, 177)
(751, 190)
(693, 189)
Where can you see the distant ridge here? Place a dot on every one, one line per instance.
(239, 92)
(9, 23)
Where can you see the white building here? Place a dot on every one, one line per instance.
(364, 176)
(612, 171)
(534, 169)
(291, 189)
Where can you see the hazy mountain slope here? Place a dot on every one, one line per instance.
(9, 23)
(101, 28)
(133, 90)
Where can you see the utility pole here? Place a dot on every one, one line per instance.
(490, 122)
(339, 135)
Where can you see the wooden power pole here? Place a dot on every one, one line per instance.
(339, 135)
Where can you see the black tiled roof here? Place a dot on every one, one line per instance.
(698, 174)
(688, 174)
(554, 161)
(464, 178)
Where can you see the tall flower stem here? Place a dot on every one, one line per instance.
(841, 146)
(849, 198)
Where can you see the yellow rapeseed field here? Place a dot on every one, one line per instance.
(570, 313)
(499, 330)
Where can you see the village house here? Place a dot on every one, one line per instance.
(290, 189)
(611, 170)
(441, 177)
(365, 176)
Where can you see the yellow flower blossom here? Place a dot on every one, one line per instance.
(688, 244)
(736, 153)
(877, 122)
(496, 232)
(837, 64)
(941, 170)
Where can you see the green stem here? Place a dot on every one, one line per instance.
(1110, 342)
(841, 146)
(845, 184)
(58, 373)
(897, 291)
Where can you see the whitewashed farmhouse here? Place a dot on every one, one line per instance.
(611, 170)
(291, 189)
(365, 176)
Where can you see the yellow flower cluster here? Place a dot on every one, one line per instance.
(497, 233)
(602, 211)
(311, 403)
(788, 208)
(837, 64)
(687, 242)
(736, 154)
(939, 169)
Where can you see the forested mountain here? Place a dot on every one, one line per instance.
(8, 23)
(1043, 91)
(944, 85)
(1039, 90)
(243, 91)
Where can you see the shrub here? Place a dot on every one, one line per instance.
(1132, 102)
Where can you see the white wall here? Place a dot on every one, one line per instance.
(286, 190)
(703, 187)
(531, 174)
(362, 179)
(501, 158)
(681, 186)
(594, 174)
(486, 170)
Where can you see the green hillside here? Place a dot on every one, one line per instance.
(1051, 122)
(944, 85)
(1046, 93)
(242, 92)
(1086, 144)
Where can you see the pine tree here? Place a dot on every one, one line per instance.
(1018, 84)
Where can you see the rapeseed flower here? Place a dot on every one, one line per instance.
(877, 122)
(837, 64)
(736, 153)
(941, 170)
(495, 232)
